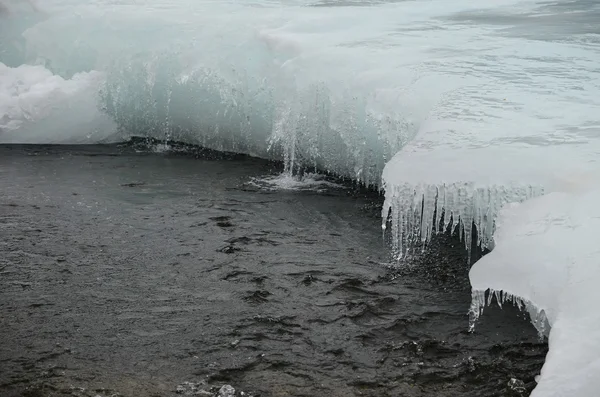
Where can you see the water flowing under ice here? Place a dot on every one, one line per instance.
(456, 107)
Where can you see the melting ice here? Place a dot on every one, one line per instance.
(455, 108)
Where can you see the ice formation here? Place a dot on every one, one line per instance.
(45, 108)
(547, 255)
(452, 107)
(417, 212)
(341, 89)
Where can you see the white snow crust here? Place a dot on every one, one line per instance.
(547, 257)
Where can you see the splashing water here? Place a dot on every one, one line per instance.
(287, 181)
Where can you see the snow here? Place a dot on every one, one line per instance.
(547, 255)
(37, 106)
(451, 107)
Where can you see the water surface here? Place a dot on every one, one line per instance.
(131, 273)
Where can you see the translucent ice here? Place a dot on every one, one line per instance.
(453, 107)
(309, 82)
(523, 116)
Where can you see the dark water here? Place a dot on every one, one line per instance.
(130, 274)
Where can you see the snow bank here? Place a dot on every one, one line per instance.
(547, 255)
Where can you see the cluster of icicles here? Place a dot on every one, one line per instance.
(479, 302)
(419, 212)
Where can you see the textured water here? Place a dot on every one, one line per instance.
(127, 272)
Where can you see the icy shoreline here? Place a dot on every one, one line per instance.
(547, 254)
(450, 108)
(543, 260)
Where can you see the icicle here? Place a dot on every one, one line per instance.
(490, 297)
(413, 209)
(476, 309)
(478, 303)
(498, 295)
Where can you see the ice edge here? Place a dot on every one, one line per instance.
(415, 213)
(479, 301)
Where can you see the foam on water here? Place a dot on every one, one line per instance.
(287, 181)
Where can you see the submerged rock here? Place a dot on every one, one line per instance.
(193, 389)
(516, 385)
(226, 391)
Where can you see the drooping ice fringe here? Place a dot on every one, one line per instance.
(479, 301)
(308, 126)
(416, 213)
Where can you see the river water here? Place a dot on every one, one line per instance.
(135, 273)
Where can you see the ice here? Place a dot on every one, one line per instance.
(37, 106)
(454, 108)
(523, 116)
(419, 211)
(546, 256)
(478, 302)
(339, 89)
